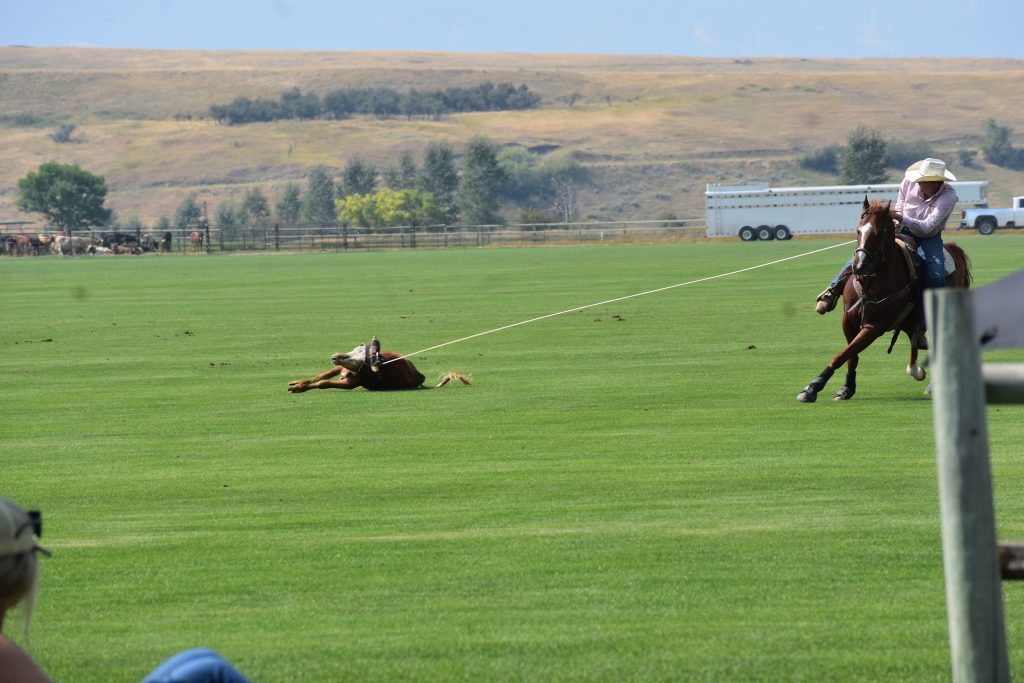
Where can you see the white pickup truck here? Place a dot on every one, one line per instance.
(987, 220)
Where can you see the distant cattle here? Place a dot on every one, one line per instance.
(63, 245)
(368, 367)
(99, 250)
(166, 242)
(109, 239)
(197, 241)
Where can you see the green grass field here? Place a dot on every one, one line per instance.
(629, 492)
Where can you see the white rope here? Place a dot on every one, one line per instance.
(621, 298)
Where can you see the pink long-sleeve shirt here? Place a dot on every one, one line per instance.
(925, 217)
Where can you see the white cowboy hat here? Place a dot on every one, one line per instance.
(929, 170)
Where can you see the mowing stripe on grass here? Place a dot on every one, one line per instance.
(621, 298)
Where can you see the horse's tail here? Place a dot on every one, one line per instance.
(449, 376)
(963, 265)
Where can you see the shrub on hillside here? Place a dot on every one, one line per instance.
(379, 102)
(900, 155)
(824, 160)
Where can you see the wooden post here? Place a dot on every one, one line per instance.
(974, 598)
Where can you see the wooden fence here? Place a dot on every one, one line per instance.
(276, 237)
(974, 562)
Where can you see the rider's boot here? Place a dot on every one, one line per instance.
(827, 300)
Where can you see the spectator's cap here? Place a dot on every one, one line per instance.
(929, 170)
(19, 529)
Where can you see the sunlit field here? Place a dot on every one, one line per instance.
(628, 492)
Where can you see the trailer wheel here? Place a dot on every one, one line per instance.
(782, 233)
(764, 232)
(986, 226)
(747, 234)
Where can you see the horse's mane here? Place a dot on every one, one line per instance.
(877, 206)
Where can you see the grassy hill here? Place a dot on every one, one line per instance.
(652, 129)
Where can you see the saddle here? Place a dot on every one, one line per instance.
(915, 259)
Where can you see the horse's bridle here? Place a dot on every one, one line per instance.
(868, 258)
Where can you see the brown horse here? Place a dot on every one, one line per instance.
(883, 295)
(197, 241)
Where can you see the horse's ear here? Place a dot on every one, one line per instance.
(866, 204)
(888, 205)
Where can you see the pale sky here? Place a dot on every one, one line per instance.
(705, 28)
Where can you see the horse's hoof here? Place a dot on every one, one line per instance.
(916, 371)
(807, 396)
(843, 395)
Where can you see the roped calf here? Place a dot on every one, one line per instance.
(368, 367)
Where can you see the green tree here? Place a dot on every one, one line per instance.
(65, 195)
(997, 147)
(358, 209)
(440, 178)
(389, 208)
(825, 160)
(227, 220)
(863, 160)
(289, 205)
(188, 214)
(254, 209)
(318, 207)
(403, 176)
(358, 177)
(406, 207)
(524, 180)
(565, 176)
(482, 183)
(226, 217)
(900, 155)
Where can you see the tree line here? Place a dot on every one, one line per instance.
(379, 102)
(868, 157)
(443, 188)
(473, 188)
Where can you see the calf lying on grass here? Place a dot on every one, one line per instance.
(368, 367)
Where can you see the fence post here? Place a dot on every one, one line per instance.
(974, 598)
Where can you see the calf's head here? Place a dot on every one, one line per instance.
(362, 356)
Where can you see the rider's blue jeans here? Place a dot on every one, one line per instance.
(199, 665)
(930, 251)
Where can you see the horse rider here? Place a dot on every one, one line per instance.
(923, 206)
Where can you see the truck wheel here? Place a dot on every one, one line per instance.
(765, 232)
(782, 233)
(986, 226)
(747, 234)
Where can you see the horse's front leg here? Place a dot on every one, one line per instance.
(851, 328)
(300, 385)
(863, 339)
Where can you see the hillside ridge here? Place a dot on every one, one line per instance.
(652, 129)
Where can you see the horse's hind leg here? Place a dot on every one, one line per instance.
(913, 369)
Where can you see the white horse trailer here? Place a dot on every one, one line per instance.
(759, 212)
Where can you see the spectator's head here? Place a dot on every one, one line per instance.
(18, 532)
